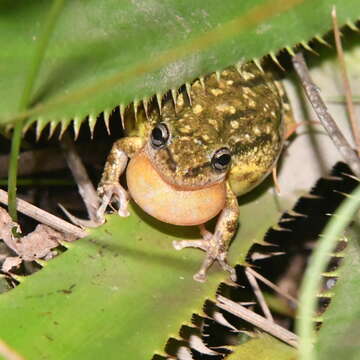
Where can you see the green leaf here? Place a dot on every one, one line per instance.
(104, 55)
(317, 265)
(264, 347)
(339, 336)
(122, 290)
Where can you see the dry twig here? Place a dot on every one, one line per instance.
(85, 186)
(257, 320)
(44, 217)
(346, 83)
(272, 285)
(313, 94)
(259, 295)
(38, 244)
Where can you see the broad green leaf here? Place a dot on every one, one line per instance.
(104, 55)
(264, 347)
(339, 336)
(120, 292)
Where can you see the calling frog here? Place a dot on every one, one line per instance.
(191, 160)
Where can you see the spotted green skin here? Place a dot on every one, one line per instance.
(243, 110)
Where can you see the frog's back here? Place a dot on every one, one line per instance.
(244, 111)
(255, 130)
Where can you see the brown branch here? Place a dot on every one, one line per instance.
(313, 94)
(257, 320)
(259, 295)
(272, 285)
(43, 216)
(85, 186)
(346, 83)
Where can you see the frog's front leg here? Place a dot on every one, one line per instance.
(216, 245)
(109, 188)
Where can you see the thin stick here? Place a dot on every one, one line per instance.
(85, 186)
(275, 179)
(346, 83)
(43, 216)
(272, 285)
(259, 295)
(257, 320)
(312, 92)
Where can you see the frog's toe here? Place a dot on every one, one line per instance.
(225, 266)
(123, 212)
(201, 244)
(109, 193)
(214, 253)
(100, 212)
(208, 261)
(200, 276)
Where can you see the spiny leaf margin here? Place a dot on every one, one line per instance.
(96, 59)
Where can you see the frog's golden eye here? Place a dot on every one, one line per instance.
(159, 136)
(221, 159)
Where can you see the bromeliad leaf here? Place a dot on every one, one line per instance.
(122, 290)
(116, 53)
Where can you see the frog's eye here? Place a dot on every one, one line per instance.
(221, 159)
(159, 136)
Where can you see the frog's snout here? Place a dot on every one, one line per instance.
(168, 204)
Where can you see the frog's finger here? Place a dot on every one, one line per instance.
(201, 244)
(110, 192)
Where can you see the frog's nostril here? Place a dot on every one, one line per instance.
(172, 166)
(192, 172)
(170, 161)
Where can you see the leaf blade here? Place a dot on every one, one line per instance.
(84, 65)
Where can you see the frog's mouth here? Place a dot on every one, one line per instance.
(185, 175)
(171, 204)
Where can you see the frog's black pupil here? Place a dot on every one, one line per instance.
(221, 159)
(159, 136)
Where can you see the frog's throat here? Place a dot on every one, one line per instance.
(181, 187)
(162, 201)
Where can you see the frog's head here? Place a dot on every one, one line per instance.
(188, 157)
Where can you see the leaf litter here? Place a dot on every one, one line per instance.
(38, 244)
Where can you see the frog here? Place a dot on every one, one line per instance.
(219, 139)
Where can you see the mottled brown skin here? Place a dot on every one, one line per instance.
(243, 111)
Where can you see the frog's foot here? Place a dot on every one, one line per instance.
(215, 251)
(110, 192)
